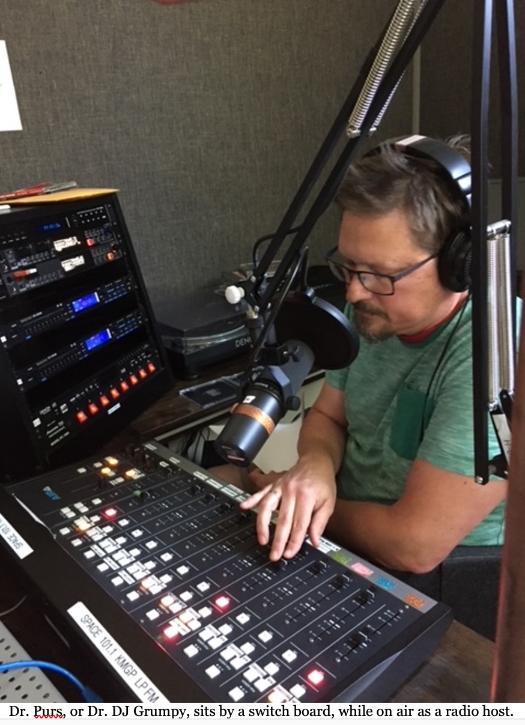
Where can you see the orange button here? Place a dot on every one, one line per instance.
(142, 373)
(114, 393)
(81, 416)
(134, 380)
(93, 409)
(124, 386)
(151, 367)
(104, 400)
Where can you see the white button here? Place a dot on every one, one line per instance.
(205, 635)
(236, 694)
(151, 545)
(213, 671)
(239, 662)
(251, 675)
(227, 654)
(272, 668)
(183, 569)
(243, 618)
(290, 655)
(216, 642)
(263, 684)
(205, 612)
(102, 567)
(225, 628)
(64, 531)
(265, 636)
(186, 596)
(117, 581)
(191, 651)
(89, 554)
(298, 690)
(247, 648)
(152, 614)
(132, 596)
(166, 556)
(203, 586)
(75, 542)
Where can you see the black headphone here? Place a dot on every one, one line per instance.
(456, 253)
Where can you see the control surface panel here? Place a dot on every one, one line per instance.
(170, 546)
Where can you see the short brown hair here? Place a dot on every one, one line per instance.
(390, 179)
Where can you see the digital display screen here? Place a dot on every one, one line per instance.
(97, 340)
(84, 303)
(50, 227)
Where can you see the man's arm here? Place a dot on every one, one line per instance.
(436, 511)
(305, 495)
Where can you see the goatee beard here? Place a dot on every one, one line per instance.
(363, 329)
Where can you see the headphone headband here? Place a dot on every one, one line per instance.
(453, 166)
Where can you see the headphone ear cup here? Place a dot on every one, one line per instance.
(454, 262)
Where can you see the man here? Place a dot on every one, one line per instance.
(386, 453)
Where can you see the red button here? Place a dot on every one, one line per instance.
(134, 380)
(114, 393)
(223, 602)
(93, 409)
(316, 677)
(142, 373)
(151, 367)
(124, 386)
(81, 416)
(90, 242)
(104, 401)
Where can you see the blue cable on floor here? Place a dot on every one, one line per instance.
(86, 692)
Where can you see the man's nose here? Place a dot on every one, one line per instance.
(355, 292)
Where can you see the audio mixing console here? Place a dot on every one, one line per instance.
(153, 561)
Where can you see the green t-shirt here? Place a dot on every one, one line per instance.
(393, 417)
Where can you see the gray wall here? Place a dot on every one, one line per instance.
(446, 77)
(205, 115)
(446, 92)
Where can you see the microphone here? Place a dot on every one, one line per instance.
(266, 399)
(310, 330)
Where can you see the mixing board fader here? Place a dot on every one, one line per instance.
(169, 544)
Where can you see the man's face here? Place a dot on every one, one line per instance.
(385, 244)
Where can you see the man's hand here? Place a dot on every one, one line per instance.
(305, 498)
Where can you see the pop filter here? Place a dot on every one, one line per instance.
(325, 329)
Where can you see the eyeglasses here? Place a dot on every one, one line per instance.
(379, 284)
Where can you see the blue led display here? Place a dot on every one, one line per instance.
(84, 303)
(97, 340)
(50, 227)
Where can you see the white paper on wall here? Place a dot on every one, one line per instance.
(9, 114)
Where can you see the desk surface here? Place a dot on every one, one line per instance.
(458, 671)
(174, 411)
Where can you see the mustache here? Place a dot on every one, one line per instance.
(368, 309)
